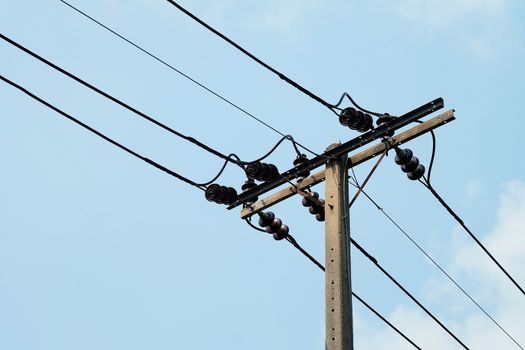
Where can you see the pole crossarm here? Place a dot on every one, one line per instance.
(356, 159)
(343, 149)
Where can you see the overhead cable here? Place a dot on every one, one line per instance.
(253, 57)
(114, 99)
(418, 303)
(185, 75)
(98, 133)
(471, 234)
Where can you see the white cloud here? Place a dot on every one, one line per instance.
(477, 26)
(442, 13)
(488, 285)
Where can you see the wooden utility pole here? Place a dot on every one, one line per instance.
(339, 328)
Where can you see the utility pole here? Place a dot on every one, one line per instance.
(339, 325)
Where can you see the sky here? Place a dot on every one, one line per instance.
(99, 250)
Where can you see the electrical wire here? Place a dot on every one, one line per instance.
(180, 72)
(115, 100)
(101, 135)
(409, 237)
(253, 57)
(376, 263)
(471, 234)
(347, 95)
(296, 245)
(286, 137)
(226, 162)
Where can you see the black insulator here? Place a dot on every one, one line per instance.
(403, 156)
(410, 166)
(221, 194)
(248, 185)
(266, 219)
(385, 118)
(274, 226)
(307, 201)
(301, 160)
(262, 171)
(417, 173)
(282, 233)
(316, 205)
(355, 119)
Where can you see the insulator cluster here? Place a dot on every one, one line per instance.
(273, 225)
(261, 171)
(315, 205)
(409, 163)
(298, 161)
(356, 120)
(221, 194)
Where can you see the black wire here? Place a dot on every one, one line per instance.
(123, 104)
(409, 237)
(254, 58)
(376, 263)
(233, 155)
(115, 143)
(293, 242)
(385, 320)
(460, 221)
(286, 137)
(158, 59)
(347, 95)
(432, 156)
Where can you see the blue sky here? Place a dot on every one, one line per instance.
(102, 251)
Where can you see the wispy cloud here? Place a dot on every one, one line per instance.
(478, 26)
(496, 293)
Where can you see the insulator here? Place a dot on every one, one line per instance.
(403, 156)
(248, 185)
(307, 201)
(418, 173)
(282, 233)
(262, 171)
(266, 219)
(301, 160)
(316, 205)
(385, 118)
(355, 119)
(220, 194)
(274, 226)
(410, 166)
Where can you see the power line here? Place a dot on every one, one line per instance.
(296, 245)
(119, 102)
(180, 72)
(429, 186)
(409, 237)
(376, 263)
(460, 221)
(254, 58)
(101, 135)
